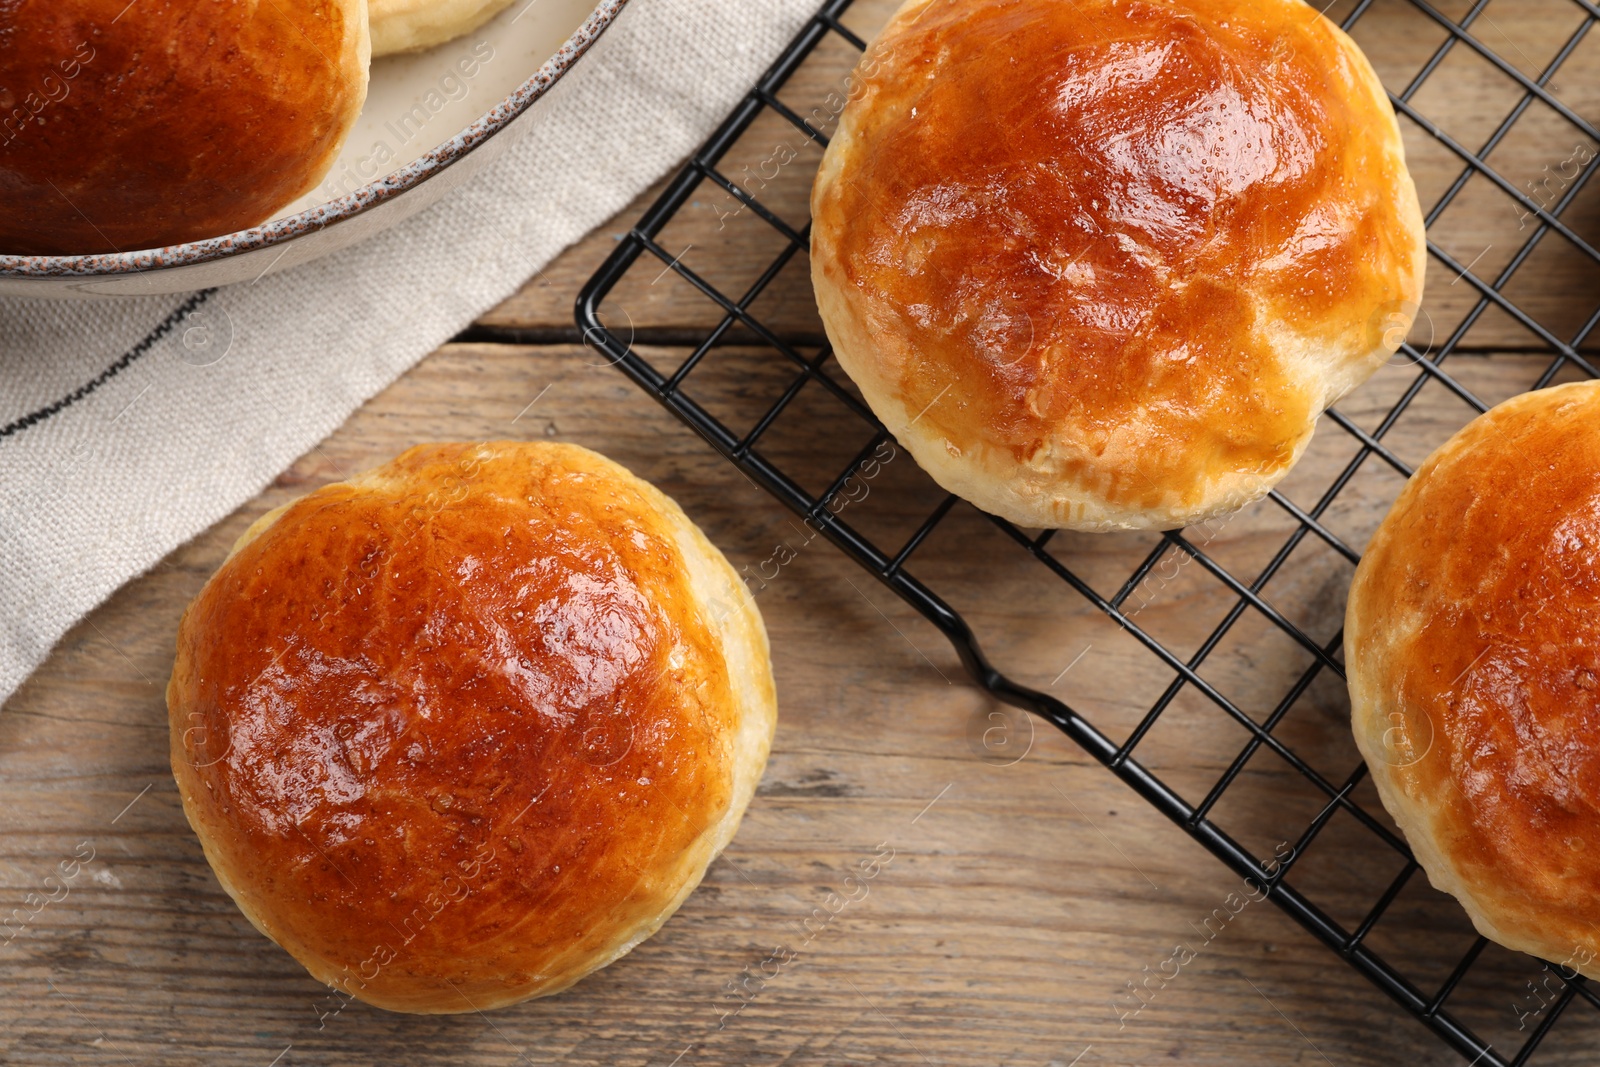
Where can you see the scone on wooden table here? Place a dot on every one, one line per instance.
(412, 25)
(461, 730)
(1472, 643)
(1101, 264)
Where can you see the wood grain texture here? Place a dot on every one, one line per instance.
(1022, 897)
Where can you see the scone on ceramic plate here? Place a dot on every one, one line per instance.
(412, 25)
(129, 126)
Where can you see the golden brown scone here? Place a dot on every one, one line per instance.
(132, 126)
(467, 727)
(1101, 264)
(1472, 642)
(412, 25)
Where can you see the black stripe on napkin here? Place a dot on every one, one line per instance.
(166, 326)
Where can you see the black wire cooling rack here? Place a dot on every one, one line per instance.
(1541, 325)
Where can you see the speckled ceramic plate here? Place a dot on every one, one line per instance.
(431, 120)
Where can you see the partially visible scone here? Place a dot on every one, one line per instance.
(412, 25)
(1101, 264)
(129, 126)
(1472, 642)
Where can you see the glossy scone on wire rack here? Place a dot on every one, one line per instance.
(1472, 643)
(1101, 264)
(471, 725)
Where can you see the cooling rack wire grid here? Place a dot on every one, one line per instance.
(1489, 96)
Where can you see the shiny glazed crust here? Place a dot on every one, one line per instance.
(1101, 264)
(133, 126)
(1472, 642)
(469, 726)
(412, 25)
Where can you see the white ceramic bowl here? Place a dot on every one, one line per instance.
(431, 120)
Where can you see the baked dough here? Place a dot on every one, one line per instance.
(469, 726)
(1472, 642)
(1101, 264)
(128, 126)
(412, 25)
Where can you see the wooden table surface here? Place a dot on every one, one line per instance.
(1023, 896)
